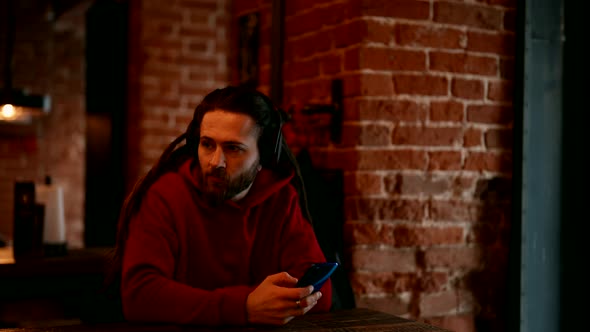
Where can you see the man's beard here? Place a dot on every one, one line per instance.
(220, 191)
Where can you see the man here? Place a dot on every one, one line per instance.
(217, 233)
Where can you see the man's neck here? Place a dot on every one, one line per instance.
(242, 194)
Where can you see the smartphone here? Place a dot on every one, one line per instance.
(317, 275)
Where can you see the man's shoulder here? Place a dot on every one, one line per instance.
(170, 183)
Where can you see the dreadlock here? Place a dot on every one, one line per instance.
(238, 99)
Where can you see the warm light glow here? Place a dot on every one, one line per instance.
(8, 112)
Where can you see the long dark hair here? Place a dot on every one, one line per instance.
(274, 154)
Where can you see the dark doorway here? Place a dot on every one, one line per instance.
(106, 75)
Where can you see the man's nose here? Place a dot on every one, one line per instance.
(218, 158)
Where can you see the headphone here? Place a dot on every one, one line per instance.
(278, 133)
(273, 133)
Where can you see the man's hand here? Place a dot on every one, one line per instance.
(275, 301)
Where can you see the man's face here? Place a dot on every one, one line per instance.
(228, 155)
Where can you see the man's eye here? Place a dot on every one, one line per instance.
(234, 148)
(206, 144)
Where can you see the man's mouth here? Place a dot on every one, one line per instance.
(216, 180)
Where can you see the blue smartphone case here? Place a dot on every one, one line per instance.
(317, 275)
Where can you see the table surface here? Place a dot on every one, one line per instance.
(339, 321)
(75, 262)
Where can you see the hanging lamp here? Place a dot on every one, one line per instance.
(17, 105)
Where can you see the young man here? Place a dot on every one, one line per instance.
(218, 232)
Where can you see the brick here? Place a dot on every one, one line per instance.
(391, 160)
(463, 63)
(411, 236)
(294, 6)
(209, 5)
(307, 46)
(198, 61)
(465, 14)
(321, 88)
(494, 43)
(444, 160)
(359, 233)
(158, 72)
(300, 70)
(438, 304)
(160, 28)
(490, 114)
(367, 135)
(454, 322)
(161, 102)
(499, 138)
(349, 33)
(385, 109)
(302, 90)
(453, 210)
(303, 23)
(428, 85)
(463, 186)
(410, 9)
(384, 260)
(467, 89)
(363, 183)
(473, 137)
(431, 282)
(196, 31)
(330, 64)
(368, 84)
(489, 161)
(241, 7)
(161, 119)
(197, 46)
(203, 18)
(181, 121)
(163, 14)
(337, 12)
(385, 209)
(501, 91)
(411, 184)
(426, 136)
(454, 258)
(429, 36)
(442, 111)
(379, 58)
(378, 32)
(382, 282)
(394, 304)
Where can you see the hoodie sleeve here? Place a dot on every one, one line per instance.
(300, 248)
(148, 290)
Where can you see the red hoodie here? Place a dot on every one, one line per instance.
(186, 262)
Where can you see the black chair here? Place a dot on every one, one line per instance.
(325, 195)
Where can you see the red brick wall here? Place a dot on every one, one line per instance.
(48, 59)
(177, 55)
(426, 145)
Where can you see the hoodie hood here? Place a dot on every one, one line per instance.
(266, 183)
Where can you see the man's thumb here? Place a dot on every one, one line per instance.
(283, 279)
